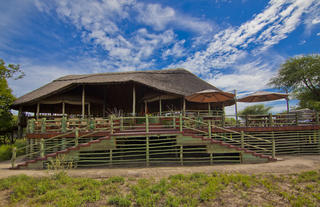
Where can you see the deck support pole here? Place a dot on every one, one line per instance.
(63, 108)
(235, 106)
(110, 158)
(64, 124)
(160, 106)
(270, 120)
(209, 129)
(184, 106)
(64, 146)
(133, 100)
(209, 109)
(147, 123)
(20, 129)
(273, 146)
(147, 150)
(38, 111)
(104, 102)
(223, 119)
(180, 122)
(41, 147)
(89, 109)
(76, 141)
(181, 154)
(211, 158)
(242, 139)
(83, 102)
(14, 156)
(43, 125)
(145, 107)
(174, 122)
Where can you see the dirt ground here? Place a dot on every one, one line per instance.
(285, 165)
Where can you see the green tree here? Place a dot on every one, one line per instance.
(258, 109)
(301, 75)
(7, 120)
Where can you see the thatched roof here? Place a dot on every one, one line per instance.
(174, 81)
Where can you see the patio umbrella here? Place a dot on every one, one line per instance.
(261, 96)
(210, 96)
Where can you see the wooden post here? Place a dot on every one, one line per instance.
(64, 124)
(236, 106)
(247, 120)
(242, 139)
(32, 125)
(20, 129)
(223, 119)
(160, 106)
(184, 106)
(43, 125)
(104, 102)
(92, 124)
(89, 109)
(180, 122)
(63, 108)
(76, 141)
(111, 124)
(174, 121)
(270, 119)
(134, 100)
(209, 129)
(287, 100)
(64, 146)
(209, 109)
(121, 123)
(83, 102)
(145, 107)
(297, 119)
(41, 147)
(317, 118)
(273, 146)
(181, 154)
(38, 110)
(211, 158)
(147, 123)
(147, 150)
(13, 157)
(110, 158)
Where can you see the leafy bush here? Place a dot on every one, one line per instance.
(6, 150)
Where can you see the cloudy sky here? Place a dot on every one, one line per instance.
(233, 44)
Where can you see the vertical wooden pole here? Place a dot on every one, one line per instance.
(64, 124)
(133, 100)
(209, 129)
(111, 124)
(287, 100)
(32, 126)
(160, 106)
(121, 123)
(104, 102)
(297, 119)
(89, 109)
(145, 107)
(147, 123)
(184, 106)
(110, 158)
(247, 120)
(43, 125)
(181, 154)
(83, 102)
(270, 119)
(63, 108)
(209, 109)
(211, 158)
(223, 119)
(317, 118)
(76, 141)
(147, 150)
(64, 146)
(41, 147)
(13, 157)
(236, 106)
(174, 121)
(273, 146)
(20, 129)
(38, 111)
(242, 139)
(180, 122)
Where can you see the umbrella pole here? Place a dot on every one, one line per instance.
(235, 106)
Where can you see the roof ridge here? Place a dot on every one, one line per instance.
(82, 76)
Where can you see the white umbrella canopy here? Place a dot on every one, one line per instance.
(210, 96)
(261, 96)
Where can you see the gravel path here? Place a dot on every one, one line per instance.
(287, 164)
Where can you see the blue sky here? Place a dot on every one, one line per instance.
(237, 44)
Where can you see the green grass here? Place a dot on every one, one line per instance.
(198, 189)
(6, 150)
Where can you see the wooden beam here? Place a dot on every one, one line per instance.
(38, 110)
(134, 100)
(145, 107)
(20, 130)
(160, 107)
(236, 106)
(104, 102)
(89, 109)
(184, 106)
(63, 108)
(83, 102)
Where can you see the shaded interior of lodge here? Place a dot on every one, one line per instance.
(144, 118)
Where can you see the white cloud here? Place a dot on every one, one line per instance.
(233, 44)
(318, 34)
